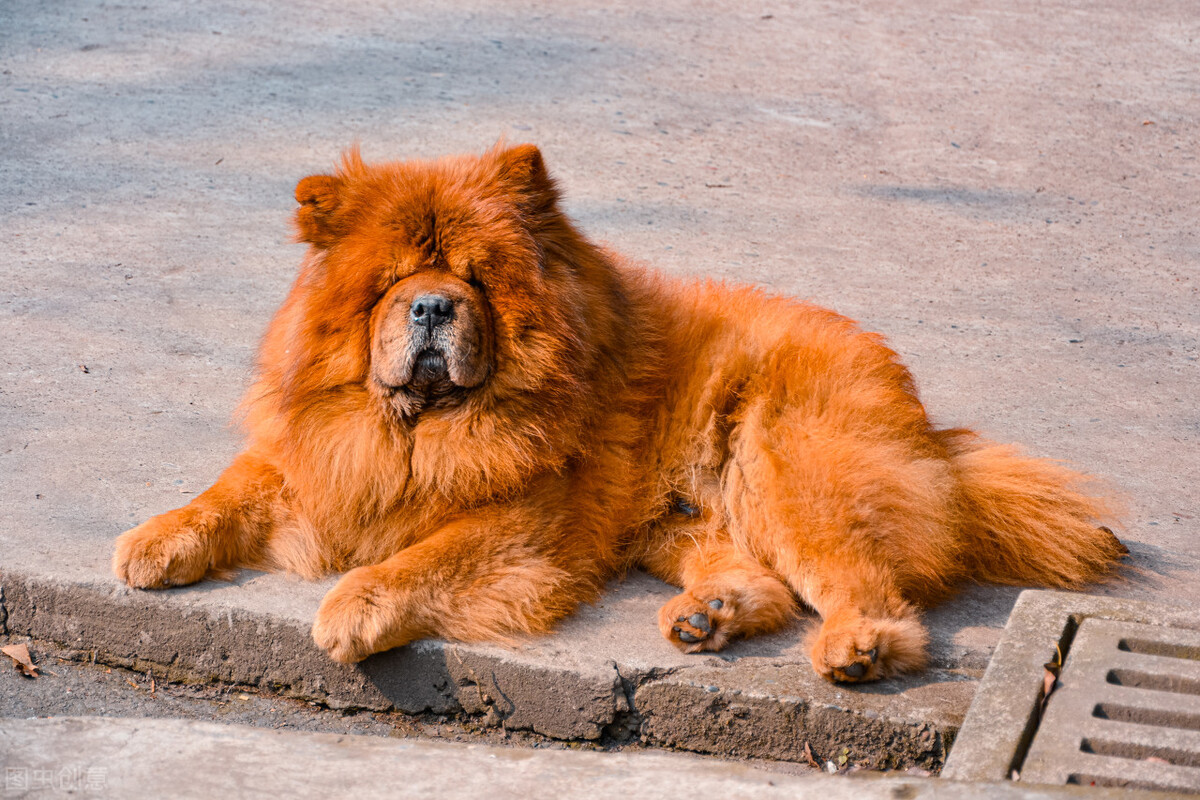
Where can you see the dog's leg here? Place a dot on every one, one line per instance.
(494, 575)
(859, 524)
(867, 630)
(726, 595)
(222, 528)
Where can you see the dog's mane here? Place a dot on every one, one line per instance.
(343, 452)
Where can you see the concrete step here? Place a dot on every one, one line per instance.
(607, 674)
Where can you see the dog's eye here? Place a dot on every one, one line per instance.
(681, 506)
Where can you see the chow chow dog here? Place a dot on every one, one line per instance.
(481, 417)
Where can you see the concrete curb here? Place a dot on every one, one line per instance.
(752, 708)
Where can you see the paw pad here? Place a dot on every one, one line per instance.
(699, 625)
(857, 669)
(696, 624)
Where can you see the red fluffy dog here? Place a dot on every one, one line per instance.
(483, 417)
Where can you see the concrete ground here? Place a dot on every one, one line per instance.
(168, 758)
(1004, 189)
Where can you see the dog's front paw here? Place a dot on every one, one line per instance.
(357, 618)
(163, 551)
(857, 649)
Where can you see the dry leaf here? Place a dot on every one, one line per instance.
(19, 653)
(1050, 679)
(1049, 683)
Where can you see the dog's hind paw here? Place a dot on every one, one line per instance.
(857, 649)
(695, 624)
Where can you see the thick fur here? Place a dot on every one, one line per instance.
(479, 473)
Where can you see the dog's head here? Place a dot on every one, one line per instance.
(432, 279)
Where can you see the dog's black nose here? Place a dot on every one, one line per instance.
(432, 310)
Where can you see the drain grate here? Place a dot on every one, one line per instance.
(1126, 712)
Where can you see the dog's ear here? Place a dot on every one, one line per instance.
(523, 172)
(320, 198)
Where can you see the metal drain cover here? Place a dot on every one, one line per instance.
(1126, 712)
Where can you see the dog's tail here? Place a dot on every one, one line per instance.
(1029, 520)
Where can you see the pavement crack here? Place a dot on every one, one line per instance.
(484, 700)
(658, 673)
(626, 723)
(511, 705)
